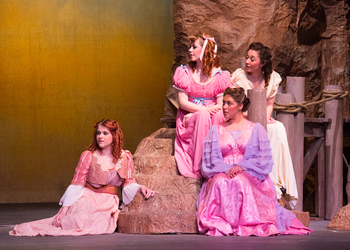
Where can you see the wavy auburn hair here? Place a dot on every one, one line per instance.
(209, 62)
(117, 134)
(265, 57)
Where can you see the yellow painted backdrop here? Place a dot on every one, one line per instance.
(65, 64)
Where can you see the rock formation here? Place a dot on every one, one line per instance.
(308, 38)
(173, 208)
(341, 220)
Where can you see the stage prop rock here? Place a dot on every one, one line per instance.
(341, 220)
(304, 217)
(308, 38)
(173, 208)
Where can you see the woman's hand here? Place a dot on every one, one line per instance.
(213, 110)
(60, 215)
(234, 171)
(147, 192)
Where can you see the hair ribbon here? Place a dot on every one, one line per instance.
(205, 45)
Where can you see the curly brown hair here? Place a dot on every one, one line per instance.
(265, 57)
(117, 142)
(209, 59)
(238, 95)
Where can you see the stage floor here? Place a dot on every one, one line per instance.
(11, 214)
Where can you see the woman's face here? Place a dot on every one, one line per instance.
(104, 137)
(195, 51)
(230, 107)
(252, 62)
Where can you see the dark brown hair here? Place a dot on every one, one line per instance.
(265, 57)
(209, 61)
(117, 134)
(238, 95)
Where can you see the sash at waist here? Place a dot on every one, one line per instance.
(200, 100)
(108, 189)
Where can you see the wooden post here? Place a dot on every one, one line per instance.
(279, 91)
(320, 183)
(257, 109)
(296, 86)
(287, 119)
(334, 154)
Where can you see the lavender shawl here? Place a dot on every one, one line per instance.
(257, 159)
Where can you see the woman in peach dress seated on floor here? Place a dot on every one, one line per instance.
(90, 203)
(259, 75)
(238, 197)
(200, 86)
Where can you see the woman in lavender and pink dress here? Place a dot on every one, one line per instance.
(237, 196)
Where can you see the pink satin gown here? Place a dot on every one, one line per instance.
(190, 135)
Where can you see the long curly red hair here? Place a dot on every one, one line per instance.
(209, 61)
(117, 142)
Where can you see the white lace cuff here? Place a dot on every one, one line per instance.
(129, 193)
(72, 194)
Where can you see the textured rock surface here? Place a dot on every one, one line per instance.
(308, 38)
(341, 220)
(304, 217)
(173, 208)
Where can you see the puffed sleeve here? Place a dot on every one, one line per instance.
(236, 79)
(181, 79)
(275, 80)
(82, 169)
(76, 189)
(130, 187)
(257, 160)
(223, 79)
(212, 160)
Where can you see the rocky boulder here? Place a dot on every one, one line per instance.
(173, 208)
(341, 220)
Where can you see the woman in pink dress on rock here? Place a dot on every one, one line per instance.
(238, 197)
(200, 84)
(90, 203)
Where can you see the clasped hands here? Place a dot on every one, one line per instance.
(212, 111)
(234, 171)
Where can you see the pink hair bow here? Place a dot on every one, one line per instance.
(205, 45)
